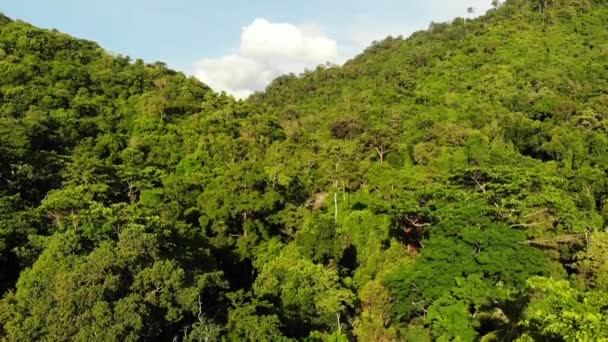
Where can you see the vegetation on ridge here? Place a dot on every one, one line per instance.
(448, 186)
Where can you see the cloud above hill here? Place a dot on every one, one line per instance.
(266, 51)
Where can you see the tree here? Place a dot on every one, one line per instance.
(310, 295)
(593, 263)
(380, 141)
(559, 311)
(117, 291)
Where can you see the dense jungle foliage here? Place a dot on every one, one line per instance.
(451, 186)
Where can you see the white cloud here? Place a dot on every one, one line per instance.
(266, 51)
(234, 74)
(264, 39)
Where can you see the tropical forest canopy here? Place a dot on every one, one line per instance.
(451, 186)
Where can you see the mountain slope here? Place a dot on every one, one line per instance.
(513, 67)
(451, 186)
(84, 135)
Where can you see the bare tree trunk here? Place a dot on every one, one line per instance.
(382, 151)
(380, 154)
(339, 324)
(336, 207)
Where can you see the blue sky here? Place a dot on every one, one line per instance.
(238, 46)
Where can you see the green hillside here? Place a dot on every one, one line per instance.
(451, 186)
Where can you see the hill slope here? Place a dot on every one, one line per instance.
(449, 186)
